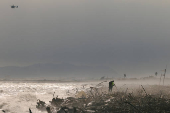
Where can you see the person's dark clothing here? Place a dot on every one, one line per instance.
(111, 84)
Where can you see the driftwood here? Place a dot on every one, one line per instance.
(103, 102)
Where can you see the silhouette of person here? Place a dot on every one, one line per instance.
(111, 84)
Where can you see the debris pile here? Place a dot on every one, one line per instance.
(98, 101)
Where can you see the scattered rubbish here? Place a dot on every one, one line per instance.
(94, 101)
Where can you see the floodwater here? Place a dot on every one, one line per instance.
(18, 97)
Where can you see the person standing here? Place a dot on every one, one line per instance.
(111, 84)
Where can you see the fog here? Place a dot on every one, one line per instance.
(125, 36)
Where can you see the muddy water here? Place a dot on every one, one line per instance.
(17, 97)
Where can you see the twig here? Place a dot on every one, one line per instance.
(30, 110)
(144, 90)
(133, 106)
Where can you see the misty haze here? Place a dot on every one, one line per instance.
(60, 56)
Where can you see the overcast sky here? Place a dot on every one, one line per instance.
(130, 36)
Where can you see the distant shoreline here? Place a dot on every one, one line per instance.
(87, 80)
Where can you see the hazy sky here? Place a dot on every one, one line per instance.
(130, 36)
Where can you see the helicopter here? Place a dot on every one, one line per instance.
(12, 6)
